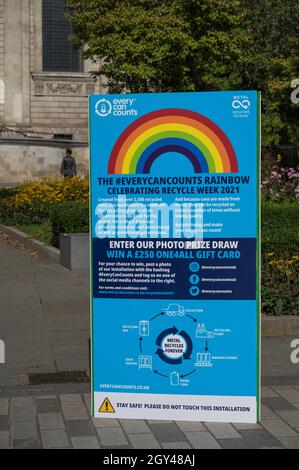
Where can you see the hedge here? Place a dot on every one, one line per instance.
(280, 258)
(280, 224)
(69, 217)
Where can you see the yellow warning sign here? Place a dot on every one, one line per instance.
(106, 407)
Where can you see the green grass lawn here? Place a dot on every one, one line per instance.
(42, 232)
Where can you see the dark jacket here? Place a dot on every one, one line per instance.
(68, 166)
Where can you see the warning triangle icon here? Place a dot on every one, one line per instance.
(106, 407)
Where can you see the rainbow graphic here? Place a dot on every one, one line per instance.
(182, 131)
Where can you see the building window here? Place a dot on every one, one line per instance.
(59, 55)
(63, 136)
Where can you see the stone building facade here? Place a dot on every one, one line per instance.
(44, 89)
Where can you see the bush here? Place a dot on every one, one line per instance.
(32, 201)
(42, 232)
(281, 184)
(70, 217)
(280, 260)
(280, 284)
(280, 224)
(7, 192)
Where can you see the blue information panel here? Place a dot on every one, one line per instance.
(175, 256)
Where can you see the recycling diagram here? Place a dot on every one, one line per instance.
(174, 344)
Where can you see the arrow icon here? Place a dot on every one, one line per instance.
(187, 338)
(186, 375)
(194, 319)
(158, 373)
(164, 358)
(169, 331)
(159, 314)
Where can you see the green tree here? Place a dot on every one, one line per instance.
(273, 62)
(161, 45)
(195, 45)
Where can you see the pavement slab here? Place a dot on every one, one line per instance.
(238, 443)
(278, 428)
(4, 404)
(190, 426)
(83, 442)
(74, 411)
(267, 413)
(105, 423)
(247, 425)
(167, 432)
(278, 403)
(4, 423)
(80, 427)
(202, 440)
(290, 416)
(290, 442)
(50, 421)
(268, 392)
(176, 445)
(54, 439)
(288, 393)
(24, 430)
(259, 438)
(144, 441)
(47, 405)
(134, 426)
(4, 440)
(22, 413)
(112, 436)
(222, 430)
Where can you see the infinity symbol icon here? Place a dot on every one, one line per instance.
(243, 104)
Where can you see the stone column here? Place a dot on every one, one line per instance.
(17, 62)
(37, 40)
(1, 61)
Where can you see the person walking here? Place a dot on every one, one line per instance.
(68, 165)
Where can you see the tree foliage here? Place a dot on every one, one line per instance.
(155, 45)
(197, 45)
(273, 29)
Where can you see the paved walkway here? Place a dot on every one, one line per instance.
(44, 322)
(43, 315)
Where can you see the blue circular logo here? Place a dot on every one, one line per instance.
(194, 279)
(103, 107)
(194, 290)
(194, 267)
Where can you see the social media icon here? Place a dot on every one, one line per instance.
(194, 267)
(194, 279)
(194, 291)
